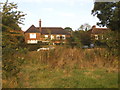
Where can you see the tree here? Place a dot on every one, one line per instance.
(110, 39)
(68, 29)
(85, 38)
(108, 14)
(12, 38)
(80, 38)
(11, 17)
(84, 27)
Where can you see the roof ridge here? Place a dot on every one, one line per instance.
(49, 27)
(101, 28)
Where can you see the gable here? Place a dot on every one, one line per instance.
(32, 29)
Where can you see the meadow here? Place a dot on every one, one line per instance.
(65, 68)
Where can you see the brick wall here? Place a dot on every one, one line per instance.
(27, 37)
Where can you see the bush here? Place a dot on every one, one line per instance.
(11, 63)
(33, 47)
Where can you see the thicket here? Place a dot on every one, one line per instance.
(79, 39)
(110, 40)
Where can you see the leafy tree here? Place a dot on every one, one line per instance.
(84, 27)
(111, 40)
(80, 38)
(85, 38)
(81, 27)
(71, 42)
(12, 38)
(108, 14)
(11, 17)
(69, 29)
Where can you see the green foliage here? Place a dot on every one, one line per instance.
(10, 20)
(11, 63)
(71, 42)
(12, 39)
(11, 17)
(111, 39)
(108, 14)
(33, 47)
(84, 27)
(69, 29)
(79, 38)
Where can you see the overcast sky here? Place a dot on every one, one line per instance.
(56, 13)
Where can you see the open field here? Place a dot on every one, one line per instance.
(66, 68)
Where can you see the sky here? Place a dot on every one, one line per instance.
(56, 13)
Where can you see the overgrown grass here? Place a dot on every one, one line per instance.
(66, 68)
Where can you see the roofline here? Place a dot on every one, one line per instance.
(102, 28)
(50, 27)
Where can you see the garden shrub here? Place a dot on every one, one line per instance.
(33, 47)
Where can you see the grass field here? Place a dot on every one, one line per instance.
(65, 70)
(36, 76)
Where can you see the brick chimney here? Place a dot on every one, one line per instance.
(40, 28)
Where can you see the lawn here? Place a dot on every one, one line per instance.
(37, 76)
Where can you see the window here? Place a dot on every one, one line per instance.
(46, 36)
(63, 37)
(52, 37)
(96, 37)
(32, 35)
(32, 41)
(102, 37)
(57, 36)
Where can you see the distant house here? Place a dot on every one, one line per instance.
(46, 34)
(98, 33)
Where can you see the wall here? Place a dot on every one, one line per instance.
(27, 37)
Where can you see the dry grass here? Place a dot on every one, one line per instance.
(73, 58)
(61, 63)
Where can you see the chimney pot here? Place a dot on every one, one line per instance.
(40, 25)
(94, 26)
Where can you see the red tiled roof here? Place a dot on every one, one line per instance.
(54, 30)
(98, 30)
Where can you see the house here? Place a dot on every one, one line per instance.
(98, 33)
(52, 35)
